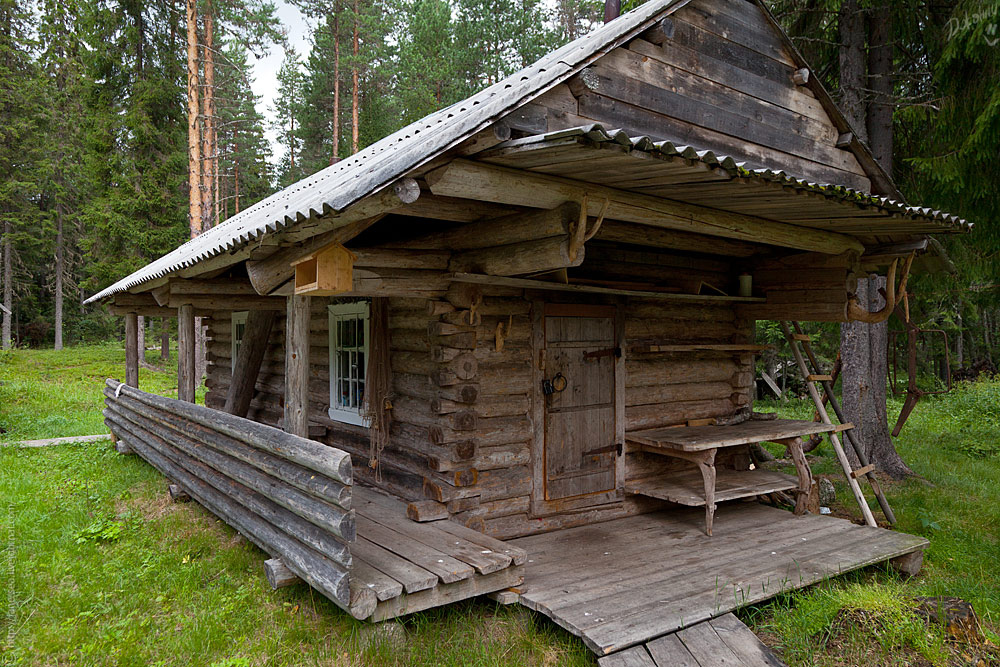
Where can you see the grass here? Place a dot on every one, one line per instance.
(98, 568)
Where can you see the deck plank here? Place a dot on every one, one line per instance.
(670, 651)
(744, 643)
(624, 582)
(637, 656)
(411, 576)
(448, 569)
(707, 647)
(700, 438)
(376, 507)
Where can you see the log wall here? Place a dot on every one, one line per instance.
(461, 433)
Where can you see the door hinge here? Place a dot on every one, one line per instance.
(606, 352)
(617, 449)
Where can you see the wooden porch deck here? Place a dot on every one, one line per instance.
(628, 581)
(415, 566)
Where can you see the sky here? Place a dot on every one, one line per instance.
(265, 70)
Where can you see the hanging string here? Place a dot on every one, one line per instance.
(378, 381)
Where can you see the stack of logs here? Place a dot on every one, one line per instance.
(288, 495)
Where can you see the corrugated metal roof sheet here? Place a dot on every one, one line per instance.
(597, 134)
(338, 186)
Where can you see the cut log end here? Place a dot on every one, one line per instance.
(363, 602)
(177, 494)
(426, 510)
(278, 574)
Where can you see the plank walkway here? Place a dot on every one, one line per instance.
(415, 566)
(720, 642)
(628, 581)
(50, 442)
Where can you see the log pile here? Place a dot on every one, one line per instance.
(288, 495)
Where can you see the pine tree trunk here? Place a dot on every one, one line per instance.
(880, 70)
(336, 91)
(194, 138)
(355, 93)
(209, 156)
(8, 285)
(60, 268)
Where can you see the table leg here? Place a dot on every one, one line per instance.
(794, 447)
(707, 466)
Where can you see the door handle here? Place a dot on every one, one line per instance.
(557, 383)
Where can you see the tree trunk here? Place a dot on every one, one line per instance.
(355, 93)
(863, 351)
(852, 65)
(8, 285)
(960, 338)
(880, 70)
(194, 138)
(208, 172)
(336, 91)
(60, 268)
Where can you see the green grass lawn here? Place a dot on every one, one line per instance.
(99, 568)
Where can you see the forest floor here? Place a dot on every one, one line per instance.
(99, 568)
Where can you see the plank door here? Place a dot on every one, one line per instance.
(579, 454)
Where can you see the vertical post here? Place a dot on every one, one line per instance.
(132, 350)
(297, 366)
(185, 353)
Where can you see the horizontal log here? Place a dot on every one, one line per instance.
(507, 230)
(667, 414)
(646, 373)
(548, 254)
(672, 393)
(322, 514)
(313, 455)
(303, 479)
(319, 571)
(401, 258)
(472, 180)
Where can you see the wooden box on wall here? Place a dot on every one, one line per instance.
(326, 272)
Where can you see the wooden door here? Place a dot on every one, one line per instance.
(579, 356)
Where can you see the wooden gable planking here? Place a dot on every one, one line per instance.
(722, 82)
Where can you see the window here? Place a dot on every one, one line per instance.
(348, 361)
(239, 327)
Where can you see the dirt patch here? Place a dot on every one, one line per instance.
(145, 503)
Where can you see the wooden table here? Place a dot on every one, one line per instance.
(700, 444)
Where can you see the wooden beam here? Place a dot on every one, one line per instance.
(515, 228)
(297, 366)
(186, 381)
(266, 275)
(656, 237)
(161, 294)
(536, 256)
(132, 350)
(473, 180)
(246, 367)
(227, 303)
(214, 287)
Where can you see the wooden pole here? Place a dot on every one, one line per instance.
(297, 366)
(246, 366)
(132, 350)
(185, 353)
(834, 440)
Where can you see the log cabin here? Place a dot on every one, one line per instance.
(519, 333)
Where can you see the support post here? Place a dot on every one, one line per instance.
(246, 365)
(132, 350)
(185, 353)
(297, 366)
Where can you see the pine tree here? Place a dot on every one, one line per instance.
(286, 110)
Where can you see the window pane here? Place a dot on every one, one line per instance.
(361, 364)
(361, 331)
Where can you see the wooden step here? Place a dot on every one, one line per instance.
(802, 337)
(686, 487)
(819, 378)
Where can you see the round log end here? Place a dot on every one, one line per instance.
(469, 393)
(363, 602)
(407, 189)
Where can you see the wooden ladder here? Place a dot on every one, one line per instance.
(811, 379)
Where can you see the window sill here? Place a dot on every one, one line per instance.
(348, 417)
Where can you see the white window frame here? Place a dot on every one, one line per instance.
(357, 310)
(238, 318)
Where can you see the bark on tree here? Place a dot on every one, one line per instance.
(863, 351)
(8, 285)
(60, 268)
(194, 134)
(882, 103)
(208, 172)
(335, 156)
(355, 93)
(852, 65)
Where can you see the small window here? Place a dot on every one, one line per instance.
(239, 328)
(348, 361)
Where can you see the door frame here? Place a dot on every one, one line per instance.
(540, 309)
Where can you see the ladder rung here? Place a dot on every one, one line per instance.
(861, 472)
(843, 427)
(803, 337)
(819, 378)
